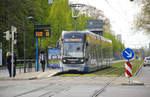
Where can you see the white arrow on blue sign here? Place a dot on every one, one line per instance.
(128, 53)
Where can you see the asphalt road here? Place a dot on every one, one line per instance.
(131, 90)
(77, 87)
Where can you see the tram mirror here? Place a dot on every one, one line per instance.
(78, 48)
(87, 44)
(87, 58)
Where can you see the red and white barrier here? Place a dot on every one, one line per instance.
(128, 69)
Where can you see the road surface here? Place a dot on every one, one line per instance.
(77, 87)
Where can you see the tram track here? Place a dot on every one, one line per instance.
(46, 91)
(52, 93)
(31, 91)
(99, 91)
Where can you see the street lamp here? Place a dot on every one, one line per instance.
(24, 23)
(76, 12)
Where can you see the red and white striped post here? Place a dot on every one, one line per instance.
(128, 70)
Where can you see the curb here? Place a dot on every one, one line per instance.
(8, 78)
(132, 84)
(138, 70)
(30, 77)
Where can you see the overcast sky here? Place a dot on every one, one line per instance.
(121, 14)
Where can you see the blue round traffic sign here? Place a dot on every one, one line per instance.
(128, 53)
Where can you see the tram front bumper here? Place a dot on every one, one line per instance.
(70, 67)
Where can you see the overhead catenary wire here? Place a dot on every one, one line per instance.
(108, 3)
(116, 11)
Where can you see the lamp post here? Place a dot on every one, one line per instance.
(76, 12)
(24, 23)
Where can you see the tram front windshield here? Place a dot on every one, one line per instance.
(73, 49)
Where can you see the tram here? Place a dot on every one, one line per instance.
(84, 51)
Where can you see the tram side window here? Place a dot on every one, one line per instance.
(93, 51)
(104, 51)
(90, 51)
(99, 52)
(107, 52)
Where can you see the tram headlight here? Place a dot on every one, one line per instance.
(82, 60)
(64, 60)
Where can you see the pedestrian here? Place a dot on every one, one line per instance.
(15, 64)
(8, 62)
(42, 60)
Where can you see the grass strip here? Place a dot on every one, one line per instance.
(117, 69)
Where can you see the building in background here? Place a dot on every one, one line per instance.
(95, 26)
(50, 1)
(96, 14)
(119, 37)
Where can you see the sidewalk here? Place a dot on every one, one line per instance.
(31, 75)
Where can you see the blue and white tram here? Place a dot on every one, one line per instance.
(84, 51)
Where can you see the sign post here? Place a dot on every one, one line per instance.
(40, 31)
(128, 70)
(0, 53)
(13, 30)
(128, 54)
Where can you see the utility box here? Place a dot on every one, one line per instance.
(95, 26)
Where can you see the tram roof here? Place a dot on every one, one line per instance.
(90, 33)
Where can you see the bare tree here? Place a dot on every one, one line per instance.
(95, 13)
(143, 19)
